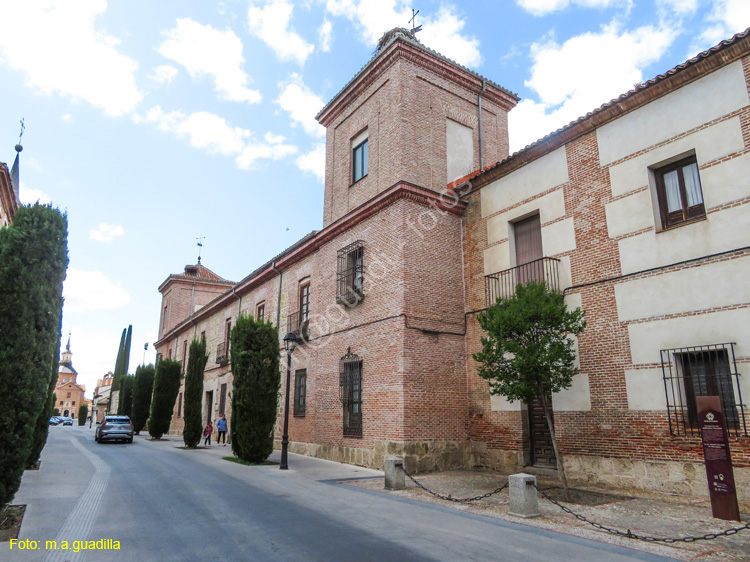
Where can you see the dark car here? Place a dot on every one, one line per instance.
(54, 420)
(114, 428)
(67, 421)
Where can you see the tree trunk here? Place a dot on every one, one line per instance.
(558, 456)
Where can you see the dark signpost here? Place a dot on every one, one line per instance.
(717, 458)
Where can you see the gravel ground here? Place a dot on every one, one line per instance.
(644, 513)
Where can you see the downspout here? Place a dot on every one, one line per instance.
(481, 145)
(239, 305)
(278, 301)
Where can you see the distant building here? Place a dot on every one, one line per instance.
(100, 402)
(70, 395)
(638, 212)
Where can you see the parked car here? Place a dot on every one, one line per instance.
(67, 421)
(114, 428)
(54, 420)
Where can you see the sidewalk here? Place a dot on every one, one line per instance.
(644, 513)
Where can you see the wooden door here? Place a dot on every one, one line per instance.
(542, 451)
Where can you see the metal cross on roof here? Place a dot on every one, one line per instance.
(415, 28)
(200, 246)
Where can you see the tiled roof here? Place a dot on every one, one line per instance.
(619, 101)
(197, 272)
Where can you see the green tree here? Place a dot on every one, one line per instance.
(166, 386)
(142, 389)
(197, 359)
(83, 413)
(255, 366)
(122, 362)
(41, 429)
(125, 404)
(33, 261)
(528, 353)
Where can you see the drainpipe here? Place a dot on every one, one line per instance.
(239, 305)
(278, 302)
(481, 145)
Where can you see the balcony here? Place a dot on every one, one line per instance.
(503, 285)
(299, 329)
(222, 353)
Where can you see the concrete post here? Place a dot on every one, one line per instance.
(394, 474)
(523, 495)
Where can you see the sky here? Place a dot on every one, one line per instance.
(154, 123)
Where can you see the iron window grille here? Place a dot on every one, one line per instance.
(300, 391)
(297, 327)
(503, 285)
(705, 370)
(350, 393)
(222, 353)
(350, 274)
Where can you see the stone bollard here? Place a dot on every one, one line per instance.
(394, 474)
(523, 495)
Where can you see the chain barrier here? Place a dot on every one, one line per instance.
(452, 499)
(630, 535)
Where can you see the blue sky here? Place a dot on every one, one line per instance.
(155, 122)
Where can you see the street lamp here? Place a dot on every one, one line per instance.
(290, 340)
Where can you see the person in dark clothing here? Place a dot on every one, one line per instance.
(221, 427)
(207, 433)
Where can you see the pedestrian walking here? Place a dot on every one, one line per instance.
(221, 427)
(207, 433)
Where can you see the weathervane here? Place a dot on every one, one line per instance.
(415, 28)
(22, 129)
(200, 246)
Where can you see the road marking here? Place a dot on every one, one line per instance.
(78, 524)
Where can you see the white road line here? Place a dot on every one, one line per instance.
(78, 524)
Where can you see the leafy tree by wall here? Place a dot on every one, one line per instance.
(528, 352)
(83, 413)
(33, 261)
(142, 390)
(197, 359)
(255, 396)
(166, 387)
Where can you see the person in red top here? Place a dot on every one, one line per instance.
(207, 433)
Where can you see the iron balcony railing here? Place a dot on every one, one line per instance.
(299, 329)
(503, 285)
(222, 352)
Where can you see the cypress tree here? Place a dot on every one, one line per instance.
(122, 363)
(83, 412)
(41, 429)
(33, 261)
(255, 397)
(166, 386)
(197, 359)
(142, 389)
(125, 405)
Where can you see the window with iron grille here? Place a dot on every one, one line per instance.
(300, 391)
(706, 370)
(350, 393)
(223, 399)
(350, 274)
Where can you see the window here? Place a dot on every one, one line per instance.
(203, 336)
(298, 322)
(304, 302)
(223, 398)
(164, 320)
(68, 396)
(61, 402)
(184, 356)
(359, 156)
(350, 274)
(260, 312)
(707, 370)
(300, 391)
(73, 403)
(65, 380)
(678, 188)
(179, 405)
(350, 393)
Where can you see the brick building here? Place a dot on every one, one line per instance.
(69, 394)
(637, 212)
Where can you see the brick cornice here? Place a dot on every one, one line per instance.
(403, 49)
(682, 75)
(400, 190)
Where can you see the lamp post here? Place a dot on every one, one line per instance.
(290, 340)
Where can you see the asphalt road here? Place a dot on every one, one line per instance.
(163, 503)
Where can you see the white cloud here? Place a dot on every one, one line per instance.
(30, 196)
(727, 18)
(91, 290)
(325, 35)
(270, 23)
(568, 89)
(212, 133)
(680, 7)
(543, 7)
(106, 232)
(442, 33)
(314, 162)
(163, 74)
(203, 50)
(58, 46)
(67, 117)
(301, 104)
